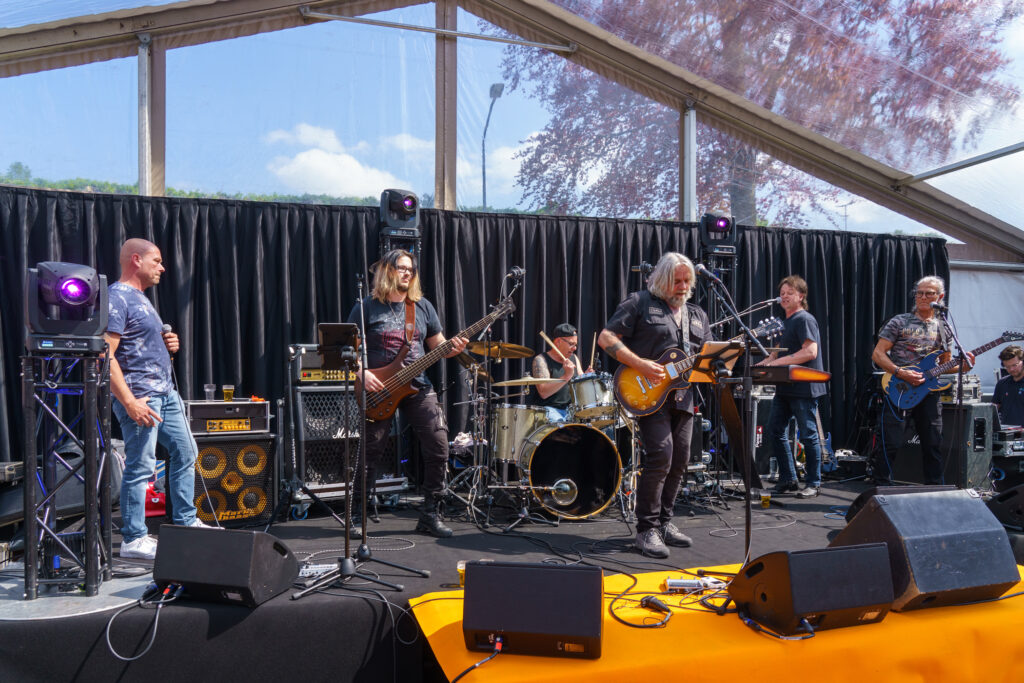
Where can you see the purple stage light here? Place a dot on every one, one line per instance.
(74, 291)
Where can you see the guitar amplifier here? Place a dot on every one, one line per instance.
(972, 389)
(228, 417)
(309, 369)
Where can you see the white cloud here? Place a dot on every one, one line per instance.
(307, 135)
(408, 144)
(319, 171)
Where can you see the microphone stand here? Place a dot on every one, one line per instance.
(729, 409)
(959, 420)
(752, 309)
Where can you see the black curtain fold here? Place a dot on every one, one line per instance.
(246, 279)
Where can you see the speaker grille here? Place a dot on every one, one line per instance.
(235, 477)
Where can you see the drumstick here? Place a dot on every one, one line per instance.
(593, 350)
(552, 345)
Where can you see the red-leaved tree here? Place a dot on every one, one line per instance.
(910, 82)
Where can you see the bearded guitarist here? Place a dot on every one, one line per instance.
(397, 315)
(905, 341)
(643, 327)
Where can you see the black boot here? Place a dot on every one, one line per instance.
(431, 522)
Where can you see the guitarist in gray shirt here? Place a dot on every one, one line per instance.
(389, 328)
(643, 327)
(902, 343)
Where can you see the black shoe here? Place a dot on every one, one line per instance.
(786, 487)
(808, 492)
(433, 525)
(649, 544)
(671, 534)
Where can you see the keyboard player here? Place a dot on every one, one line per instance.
(801, 342)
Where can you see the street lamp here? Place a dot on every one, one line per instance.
(496, 90)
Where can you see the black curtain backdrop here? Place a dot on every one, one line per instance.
(246, 279)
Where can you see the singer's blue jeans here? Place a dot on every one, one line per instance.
(140, 463)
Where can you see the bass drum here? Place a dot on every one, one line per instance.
(573, 470)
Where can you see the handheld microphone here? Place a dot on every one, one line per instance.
(941, 308)
(166, 329)
(517, 272)
(645, 268)
(703, 270)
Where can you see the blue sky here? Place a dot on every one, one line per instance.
(334, 108)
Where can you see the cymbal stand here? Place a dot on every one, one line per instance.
(473, 473)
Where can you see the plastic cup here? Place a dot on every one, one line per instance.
(766, 498)
(229, 392)
(210, 390)
(460, 567)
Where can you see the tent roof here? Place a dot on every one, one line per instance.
(791, 121)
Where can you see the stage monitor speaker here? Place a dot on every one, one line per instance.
(1008, 507)
(827, 588)
(537, 609)
(945, 547)
(235, 476)
(966, 447)
(867, 495)
(223, 565)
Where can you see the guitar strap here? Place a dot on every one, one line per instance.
(410, 320)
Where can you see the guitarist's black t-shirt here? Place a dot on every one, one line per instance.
(648, 330)
(385, 332)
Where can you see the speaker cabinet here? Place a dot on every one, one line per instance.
(537, 609)
(867, 495)
(827, 587)
(966, 447)
(221, 565)
(945, 547)
(326, 420)
(235, 477)
(1008, 507)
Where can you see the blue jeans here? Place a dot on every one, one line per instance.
(785, 408)
(140, 463)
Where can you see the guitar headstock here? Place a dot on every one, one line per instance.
(504, 307)
(769, 328)
(1010, 335)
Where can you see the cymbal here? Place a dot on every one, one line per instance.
(522, 382)
(499, 349)
(467, 361)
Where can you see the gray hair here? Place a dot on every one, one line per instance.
(662, 278)
(933, 280)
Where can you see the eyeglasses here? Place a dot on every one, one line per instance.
(405, 269)
(925, 294)
(1012, 365)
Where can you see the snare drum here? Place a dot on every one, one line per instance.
(510, 427)
(593, 400)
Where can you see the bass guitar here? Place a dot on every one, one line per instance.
(642, 396)
(905, 396)
(397, 377)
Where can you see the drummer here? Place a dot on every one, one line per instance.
(561, 365)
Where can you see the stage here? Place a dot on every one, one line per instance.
(358, 632)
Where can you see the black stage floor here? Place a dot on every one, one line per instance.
(347, 633)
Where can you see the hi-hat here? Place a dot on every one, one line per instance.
(499, 349)
(522, 382)
(467, 361)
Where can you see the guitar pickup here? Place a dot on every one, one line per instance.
(642, 383)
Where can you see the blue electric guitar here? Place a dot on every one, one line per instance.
(905, 395)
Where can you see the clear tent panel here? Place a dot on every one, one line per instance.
(315, 113)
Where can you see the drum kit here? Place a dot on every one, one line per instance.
(569, 466)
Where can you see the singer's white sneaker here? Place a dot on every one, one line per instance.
(143, 548)
(196, 522)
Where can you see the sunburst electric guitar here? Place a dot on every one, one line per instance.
(905, 395)
(397, 377)
(640, 396)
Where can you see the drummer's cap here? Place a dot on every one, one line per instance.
(563, 330)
